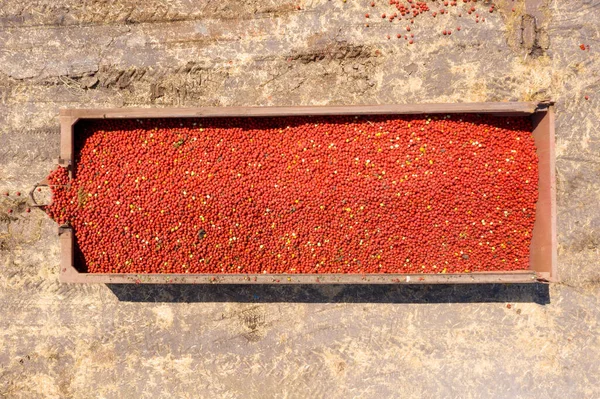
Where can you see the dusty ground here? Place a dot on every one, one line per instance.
(63, 341)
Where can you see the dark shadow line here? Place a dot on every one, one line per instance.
(314, 293)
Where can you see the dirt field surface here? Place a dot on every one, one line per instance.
(97, 341)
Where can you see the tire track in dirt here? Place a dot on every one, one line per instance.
(38, 145)
(351, 65)
(98, 12)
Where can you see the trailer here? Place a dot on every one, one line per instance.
(542, 258)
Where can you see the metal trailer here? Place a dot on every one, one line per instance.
(542, 257)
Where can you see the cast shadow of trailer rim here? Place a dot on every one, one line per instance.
(314, 293)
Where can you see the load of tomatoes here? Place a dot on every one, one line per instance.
(334, 194)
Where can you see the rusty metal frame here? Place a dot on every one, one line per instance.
(543, 267)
